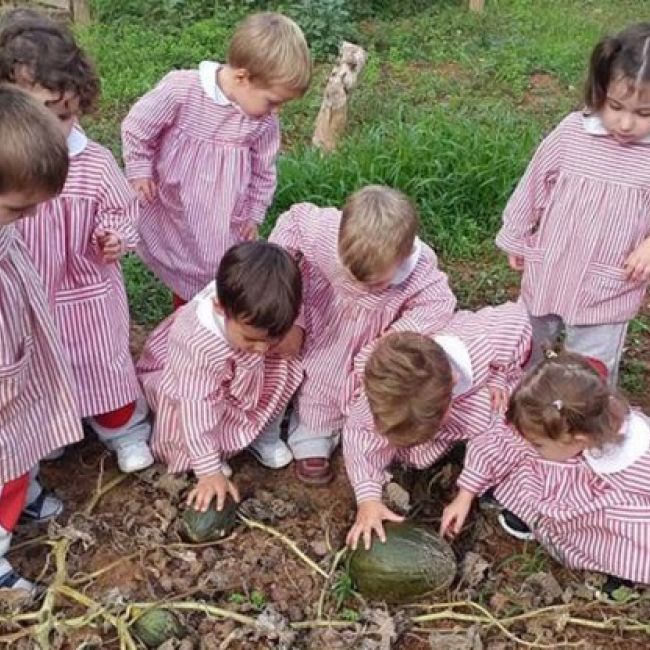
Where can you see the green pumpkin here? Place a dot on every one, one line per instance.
(210, 525)
(412, 563)
(156, 626)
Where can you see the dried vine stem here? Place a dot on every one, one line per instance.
(251, 523)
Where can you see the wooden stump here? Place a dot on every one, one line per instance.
(80, 10)
(333, 113)
(476, 5)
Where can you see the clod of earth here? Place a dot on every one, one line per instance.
(210, 525)
(412, 563)
(156, 626)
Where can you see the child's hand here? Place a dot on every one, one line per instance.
(516, 262)
(291, 344)
(250, 231)
(454, 515)
(209, 486)
(110, 246)
(637, 265)
(498, 399)
(145, 188)
(370, 517)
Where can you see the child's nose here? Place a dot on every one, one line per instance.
(627, 122)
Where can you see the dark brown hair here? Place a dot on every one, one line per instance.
(37, 50)
(33, 151)
(260, 284)
(623, 56)
(565, 395)
(408, 383)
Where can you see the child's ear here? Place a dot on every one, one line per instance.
(242, 75)
(454, 377)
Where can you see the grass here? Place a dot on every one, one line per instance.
(449, 109)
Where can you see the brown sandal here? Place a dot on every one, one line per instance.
(313, 471)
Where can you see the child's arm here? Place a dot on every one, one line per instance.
(489, 458)
(143, 127)
(526, 205)
(366, 456)
(198, 375)
(511, 341)
(117, 214)
(264, 153)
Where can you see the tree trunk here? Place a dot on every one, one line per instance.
(476, 5)
(332, 116)
(80, 10)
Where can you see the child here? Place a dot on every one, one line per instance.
(77, 239)
(37, 407)
(578, 224)
(200, 150)
(573, 464)
(209, 377)
(423, 395)
(365, 272)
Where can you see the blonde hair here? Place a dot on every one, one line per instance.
(566, 395)
(33, 150)
(378, 228)
(408, 383)
(273, 50)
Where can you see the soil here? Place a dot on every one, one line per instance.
(134, 530)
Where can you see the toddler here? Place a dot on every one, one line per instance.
(37, 407)
(578, 224)
(209, 374)
(365, 272)
(200, 149)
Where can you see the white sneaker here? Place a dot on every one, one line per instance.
(43, 508)
(9, 579)
(274, 454)
(132, 455)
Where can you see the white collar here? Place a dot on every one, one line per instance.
(405, 269)
(460, 361)
(211, 320)
(617, 457)
(594, 126)
(77, 142)
(208, 75)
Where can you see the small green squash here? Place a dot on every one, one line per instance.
(156, 626)
(210, 525)
(413, 562)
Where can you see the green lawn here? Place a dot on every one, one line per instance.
(449, 109)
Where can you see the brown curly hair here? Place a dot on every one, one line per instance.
(37, 50)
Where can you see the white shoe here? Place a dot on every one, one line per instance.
(226, 470)
(9, 579)
(43, 508)
(55, 455)
(132, 455)
(274, 454)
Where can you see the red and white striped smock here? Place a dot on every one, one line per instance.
(215, 171)
(580, 209)
(486, 349)
(341, 317)
(591, 512)
(87, 296)
(38, 412)
(211, 401)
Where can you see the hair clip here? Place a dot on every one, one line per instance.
(557, 404)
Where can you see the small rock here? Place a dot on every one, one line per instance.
(319, 547)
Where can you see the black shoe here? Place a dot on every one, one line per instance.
(515, 526)
(612, 584)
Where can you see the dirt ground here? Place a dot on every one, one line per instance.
(127, 548)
